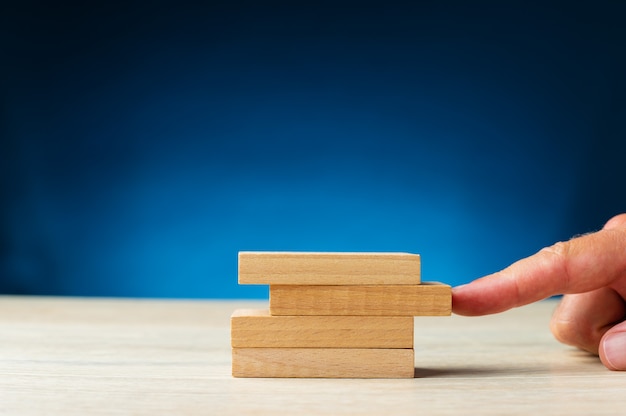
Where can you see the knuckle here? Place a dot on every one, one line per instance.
(618, 221)
(572, 332)
(560, 249)
(559, 262)
(563, 330)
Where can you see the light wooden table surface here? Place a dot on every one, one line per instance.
(71, 356)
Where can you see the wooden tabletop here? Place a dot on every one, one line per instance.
(81, 356)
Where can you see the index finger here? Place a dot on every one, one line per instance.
(579, 265)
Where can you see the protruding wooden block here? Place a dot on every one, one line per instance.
(257, 328)
(302, 268)
(427, 299)
(323, 362)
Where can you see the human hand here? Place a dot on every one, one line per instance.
(589, 270)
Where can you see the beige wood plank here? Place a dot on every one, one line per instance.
(256, 328)
(323, 363)
(427, 299)
(93, 356)
(311, 268)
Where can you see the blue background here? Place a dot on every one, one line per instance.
(144, 144)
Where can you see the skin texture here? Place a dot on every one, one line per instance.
(589, 270)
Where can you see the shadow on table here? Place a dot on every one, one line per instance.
(456, 372)
(473, 372)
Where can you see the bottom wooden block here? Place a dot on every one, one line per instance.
(323, 362)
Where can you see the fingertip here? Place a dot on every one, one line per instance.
(458, 291)
(475, 299)
(460, 301)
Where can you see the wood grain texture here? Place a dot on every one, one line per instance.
(254, 328)
(94, 356)
(310, 268)
(323, 363)
(427, 299)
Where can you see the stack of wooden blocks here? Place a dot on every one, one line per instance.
(333, 315)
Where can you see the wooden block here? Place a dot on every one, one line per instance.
(427, 299)
(257, 328)
(301, 268)
(323, 362)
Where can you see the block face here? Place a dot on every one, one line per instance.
(311, 268)
(258, 329)
(323, 362)
(427, 299)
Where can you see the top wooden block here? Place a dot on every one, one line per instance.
(311, 268)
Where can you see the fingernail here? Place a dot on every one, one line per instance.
(615, 351)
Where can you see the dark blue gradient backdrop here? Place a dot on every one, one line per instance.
(144, 144)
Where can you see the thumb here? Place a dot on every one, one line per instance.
(613, 347)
